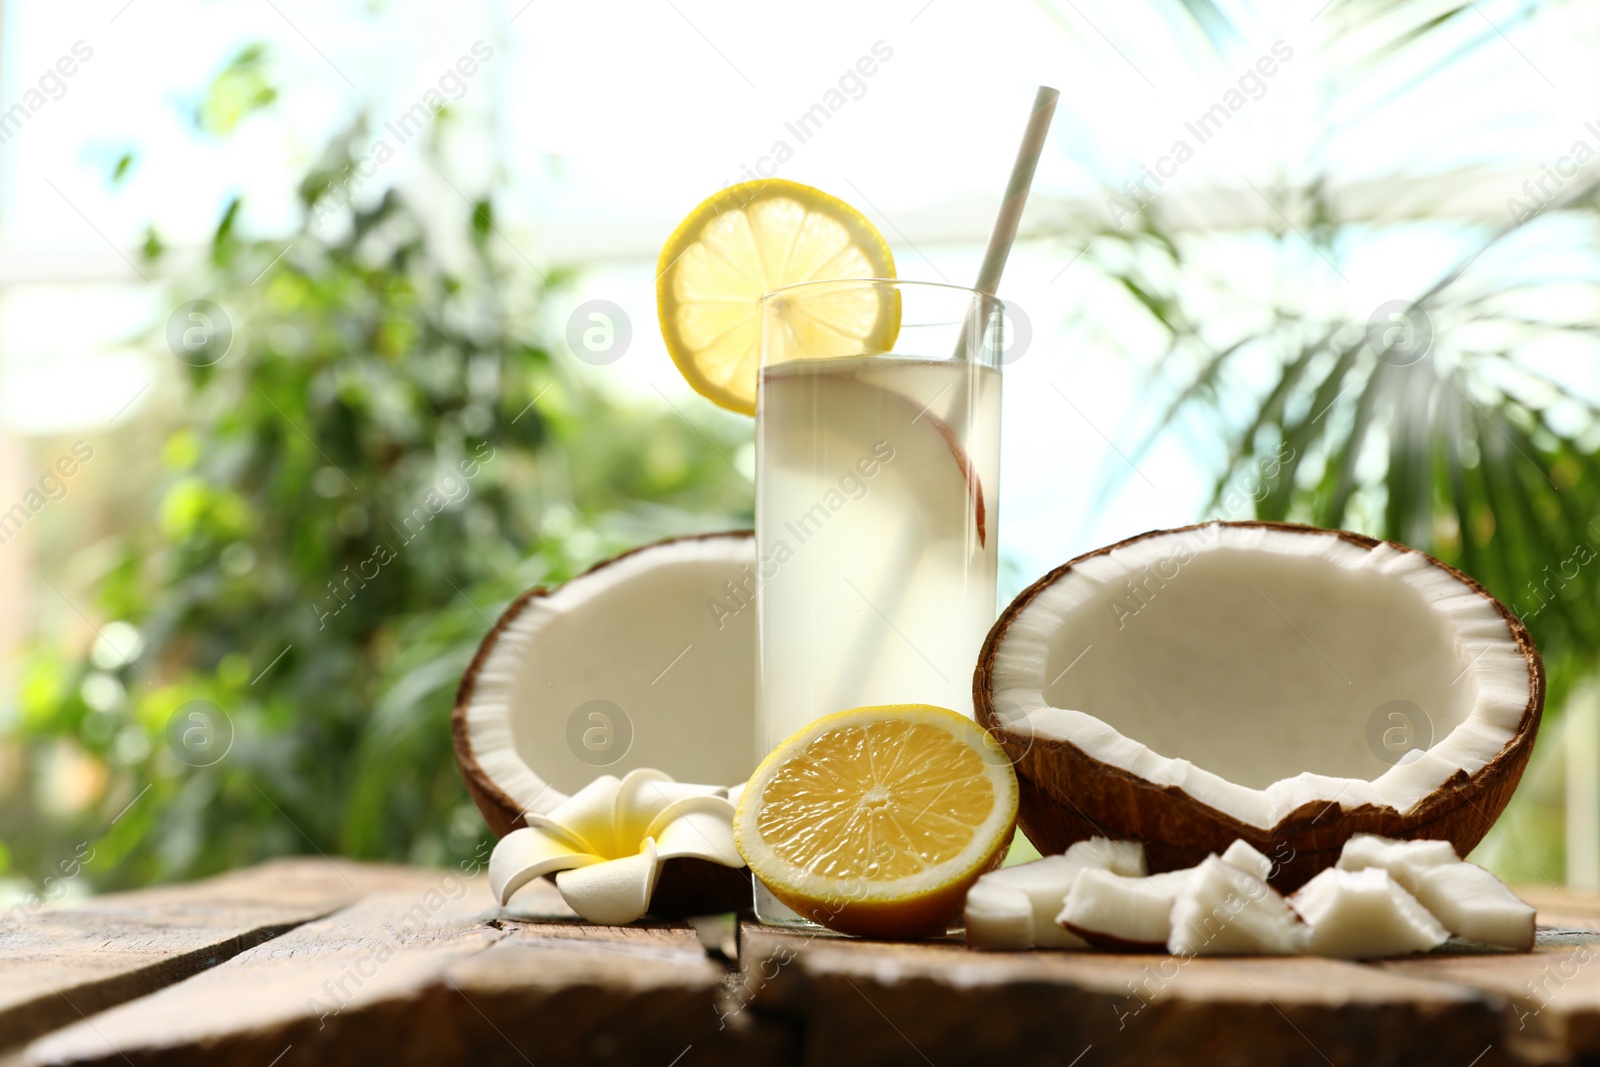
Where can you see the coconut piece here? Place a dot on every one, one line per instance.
(1135, 914)
(1252, 680)
(1370, 850)
(574, 681)
(1246, 858)
(1475, 904)
(1122, 914)
(1120, 857)
(593, 677)
(1015, 907)
(999, 919)
(1365, 914)
(1224, 911)
(1467, 899)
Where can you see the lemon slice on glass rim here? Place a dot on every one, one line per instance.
(877, 821)
(750, 239)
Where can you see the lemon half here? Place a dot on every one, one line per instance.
(746, 241)
(877, 821)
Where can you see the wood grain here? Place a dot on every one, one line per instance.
(412, 978)
(942, 1004)
(1551, 996)
(60, 964)
(423, 968)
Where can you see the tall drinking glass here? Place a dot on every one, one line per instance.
(878, 468)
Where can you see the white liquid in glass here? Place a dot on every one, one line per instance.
(875, 521)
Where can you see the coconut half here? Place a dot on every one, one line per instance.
(1264, 682)
(644, 661)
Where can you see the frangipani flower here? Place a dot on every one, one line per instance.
(605, 843)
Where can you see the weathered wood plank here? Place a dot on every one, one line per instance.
(1552, 995)
(861, 1002)
(404, 978)
(565, 1000)
(896, 1003)
(60, 964)
(429, 971)
(289, 990)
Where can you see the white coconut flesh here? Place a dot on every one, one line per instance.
(1015, 907)
(1246, 857)
(1003, 909)
(1386, 898)
(1223, 911)
(1246, 665)
(1112, 910)
(1365, 914)
(1137, 912)
(1468, 900)
(655, 645)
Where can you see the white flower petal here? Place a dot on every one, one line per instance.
(612, 893)
(523, 855)
(642, 800)
(735, 792)
(560, 833)
(606, 842)
(588, 816)
(705, 833)
(640, 795)
(683, 806)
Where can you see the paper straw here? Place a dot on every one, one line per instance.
(1005, 224)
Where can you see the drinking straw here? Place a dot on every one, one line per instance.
(994, 262)
(1005, 224)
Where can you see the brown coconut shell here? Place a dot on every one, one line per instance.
(685, 886)
(1067, 796)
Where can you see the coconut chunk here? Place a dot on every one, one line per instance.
(1475, 904)
(1101, 853)
(1370, 850)
(1224, 911)
(1245, 857)
(1119, 913)
(999, 919)
(1365, 914)
(1467, 899)
(1015, 907)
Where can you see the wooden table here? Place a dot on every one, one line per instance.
(313, 961)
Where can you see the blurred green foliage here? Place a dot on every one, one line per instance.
(386, 454)
(386, 345)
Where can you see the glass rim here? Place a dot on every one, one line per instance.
(818, 283)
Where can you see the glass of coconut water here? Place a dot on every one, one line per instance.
(878, 464)
(877, 484)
